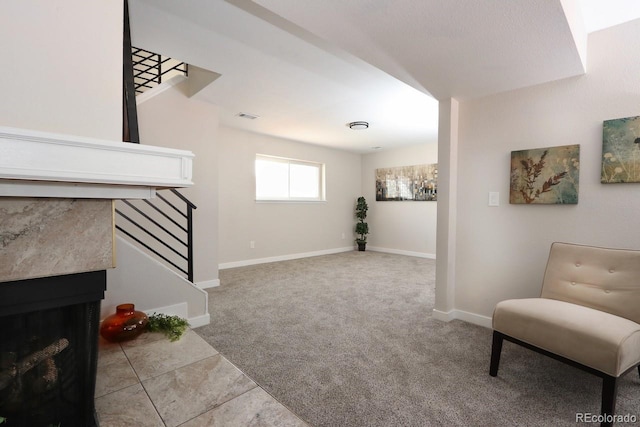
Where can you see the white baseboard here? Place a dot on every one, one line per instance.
(208, 284)
(401, 252)
(476, 319)
(202, 320)
(247, 262)
(445, 316)
(181, 310)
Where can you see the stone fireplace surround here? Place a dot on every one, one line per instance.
(57, 215)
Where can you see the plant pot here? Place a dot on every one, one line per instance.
(362, 246)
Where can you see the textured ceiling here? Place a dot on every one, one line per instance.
(309, 67)
(458, 49)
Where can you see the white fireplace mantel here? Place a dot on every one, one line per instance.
(42, 164)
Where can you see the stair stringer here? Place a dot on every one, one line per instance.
(152, 287)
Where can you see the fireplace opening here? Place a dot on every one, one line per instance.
(48, 350)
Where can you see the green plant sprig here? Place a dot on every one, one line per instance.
(172, 326)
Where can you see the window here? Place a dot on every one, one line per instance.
(280, 179)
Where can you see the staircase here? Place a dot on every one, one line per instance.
(152, 69)
(163, 227)
(154, 239)
(155, 258)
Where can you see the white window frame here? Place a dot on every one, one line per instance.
(288, 161)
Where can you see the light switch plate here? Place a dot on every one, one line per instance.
(494, 198)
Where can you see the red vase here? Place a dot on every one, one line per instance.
(126, 324)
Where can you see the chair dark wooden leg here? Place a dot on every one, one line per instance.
(609, 391)
(638, 369)
(496, 349)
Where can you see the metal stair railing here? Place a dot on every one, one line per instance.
(163, 227)
(159, 226)
(149, 69)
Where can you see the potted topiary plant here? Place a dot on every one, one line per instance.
(362, 228)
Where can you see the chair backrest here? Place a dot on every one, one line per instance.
(600, 278)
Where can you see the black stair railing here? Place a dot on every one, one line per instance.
(130, 132)
(159, 226)
(150, 68)
(162, 226)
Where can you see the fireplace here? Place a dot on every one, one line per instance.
(48, 349)
(57, 216)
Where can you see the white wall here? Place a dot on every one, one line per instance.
(282, 229)
(62, 66)
(501, 251)
(171, 119)
(401, 227)
(164, 291)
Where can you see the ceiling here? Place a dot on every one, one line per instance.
(307, 68)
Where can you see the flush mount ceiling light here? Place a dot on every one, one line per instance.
(358, 125)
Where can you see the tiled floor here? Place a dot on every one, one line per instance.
(151, 381)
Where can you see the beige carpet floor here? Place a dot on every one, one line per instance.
(348, 340)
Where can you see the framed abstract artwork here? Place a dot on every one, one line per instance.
(545, 175)
(621, 150)
(418, 183)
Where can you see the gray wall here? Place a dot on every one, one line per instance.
(171, 119)
(501, 252)
(401, 227)
(282, 230)
(40, 42)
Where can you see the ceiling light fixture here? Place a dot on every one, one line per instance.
(358, 125)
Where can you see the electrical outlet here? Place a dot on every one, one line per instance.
(252, 244)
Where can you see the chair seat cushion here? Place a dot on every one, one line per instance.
(602, 341)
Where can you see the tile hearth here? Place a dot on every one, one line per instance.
(151, 381)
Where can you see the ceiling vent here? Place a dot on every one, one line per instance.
(247, 116)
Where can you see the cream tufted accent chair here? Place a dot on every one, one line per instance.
(588, 315)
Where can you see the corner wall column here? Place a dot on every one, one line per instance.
(447, 208)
